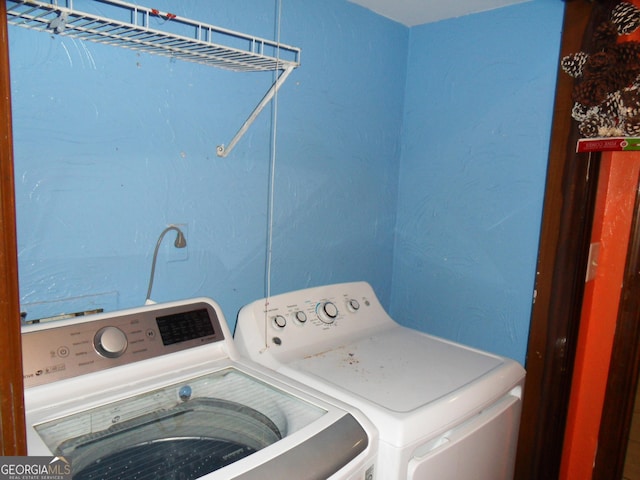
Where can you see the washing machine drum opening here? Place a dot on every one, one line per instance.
(186, 442)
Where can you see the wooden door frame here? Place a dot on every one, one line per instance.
(567, 219)
(12, 426)
(625, 364)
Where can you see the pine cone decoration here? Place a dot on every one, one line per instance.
(611, 107)
(605, 36)
(573, 64)
(579, 112)
(626, 17)
(598, 65)
(632, 126)
(607, 93)
(629, 103)
(627, 53)
(590, 93)
(621, 77)
(590, 126)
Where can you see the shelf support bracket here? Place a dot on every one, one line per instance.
(223, 151)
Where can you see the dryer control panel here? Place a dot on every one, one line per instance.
(52, 352)
(309, 321)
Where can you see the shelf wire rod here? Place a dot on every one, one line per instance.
(39, 15)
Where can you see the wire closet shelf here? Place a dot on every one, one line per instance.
(129, 26)
(190, 40)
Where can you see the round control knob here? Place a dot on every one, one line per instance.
(301, 316)
(279, 321)
(353, 305)
(110, 342)
(327, 312)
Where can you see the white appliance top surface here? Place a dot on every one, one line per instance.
(339, 340)
(399, 369)
(152, 375)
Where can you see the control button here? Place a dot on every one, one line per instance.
(353, 305)
(330, 310)
(63, 352)
(279, 321)
(110, 342)
(327, 312)
(301, 316)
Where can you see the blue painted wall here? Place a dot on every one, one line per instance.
(111, 146)
(478, 113)
(400, 161)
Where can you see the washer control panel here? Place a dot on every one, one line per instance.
(51, 353)
(306, 321)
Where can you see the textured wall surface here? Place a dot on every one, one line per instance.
(478, 114)
(112, 145)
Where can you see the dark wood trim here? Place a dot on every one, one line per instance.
(625, 364)
(12, 426)
(564, 243)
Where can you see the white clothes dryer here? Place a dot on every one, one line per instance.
(160, 392)
(444, 411)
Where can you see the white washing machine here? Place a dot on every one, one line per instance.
(160, 392)
(444, 411)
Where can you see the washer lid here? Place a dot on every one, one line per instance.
(399, 369)
(198, 425)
